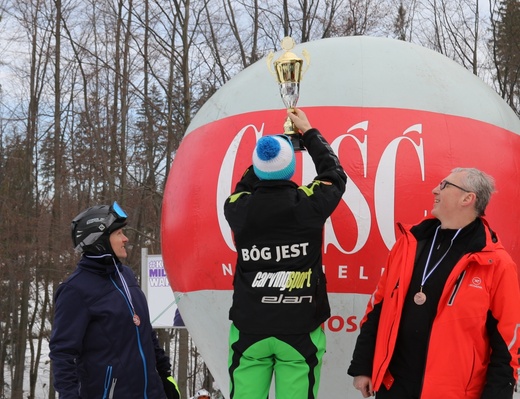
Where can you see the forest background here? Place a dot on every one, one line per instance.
(95, 97)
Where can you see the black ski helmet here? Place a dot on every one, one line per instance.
(91, 228)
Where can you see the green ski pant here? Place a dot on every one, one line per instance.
(295, 360)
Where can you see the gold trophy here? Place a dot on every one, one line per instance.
(288, 72)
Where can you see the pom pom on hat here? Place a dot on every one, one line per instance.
(273, 158)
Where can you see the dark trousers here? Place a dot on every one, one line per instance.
(400, 390)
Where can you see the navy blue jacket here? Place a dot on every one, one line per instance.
(96, 349)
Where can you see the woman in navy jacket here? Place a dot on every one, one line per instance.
(102, 343)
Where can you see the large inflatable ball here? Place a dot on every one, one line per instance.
(398, 115)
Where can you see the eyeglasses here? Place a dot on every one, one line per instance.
(444, 183)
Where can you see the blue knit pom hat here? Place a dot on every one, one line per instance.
(273, 158)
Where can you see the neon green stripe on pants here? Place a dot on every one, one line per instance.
(295, 360)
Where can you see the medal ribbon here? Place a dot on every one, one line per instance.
(426, 276)
(129, 296)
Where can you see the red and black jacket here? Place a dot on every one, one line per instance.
(474, 338)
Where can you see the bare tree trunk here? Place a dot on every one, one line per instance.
(171, 144)
(20, 339)
(55, 225)
(25, 262)
(230, 14)
(114, 123)
(125, 82)
(38, 327)
(184, 357)
(185, 67)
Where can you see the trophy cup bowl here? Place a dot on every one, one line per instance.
(288, 70)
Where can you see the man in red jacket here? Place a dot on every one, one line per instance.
(444, 321)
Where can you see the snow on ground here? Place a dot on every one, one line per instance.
(42, 388)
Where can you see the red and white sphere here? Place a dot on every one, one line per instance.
(398, 115)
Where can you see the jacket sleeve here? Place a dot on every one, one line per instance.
(248, 180)
(70, 322)
(364, 350)
(236, 203)
(326, 161)
(363, 356)
(503, 326)
(162, 360)
(327, 188)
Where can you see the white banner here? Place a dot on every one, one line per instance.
(162, 304)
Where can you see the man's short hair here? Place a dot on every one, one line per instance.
(480, 183)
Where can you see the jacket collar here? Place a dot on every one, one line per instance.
(275, 183)
(99, 264)
(480, 236)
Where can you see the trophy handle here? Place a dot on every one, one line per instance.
(269, 61)
(307, 57)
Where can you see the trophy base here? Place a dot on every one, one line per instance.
(296, 140)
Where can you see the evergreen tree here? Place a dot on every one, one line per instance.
(507, 52)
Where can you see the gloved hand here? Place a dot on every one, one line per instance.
(170, 387)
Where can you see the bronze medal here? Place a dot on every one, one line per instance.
(137, 320)
(419, 298)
